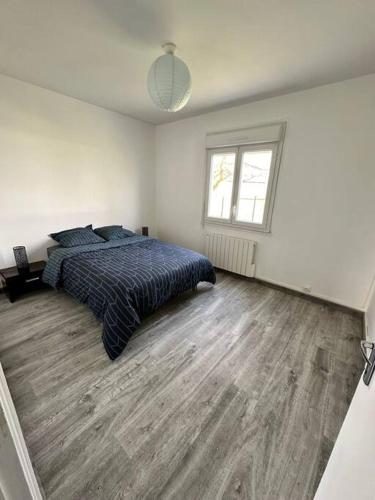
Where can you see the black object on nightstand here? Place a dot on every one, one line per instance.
(145, 230)
(17, 283)
(20, 256)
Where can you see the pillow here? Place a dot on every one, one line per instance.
(77, 236)
(113, 232)
(52, 235)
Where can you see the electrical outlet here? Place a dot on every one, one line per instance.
(306, 289)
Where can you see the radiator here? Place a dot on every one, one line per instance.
(232, 254)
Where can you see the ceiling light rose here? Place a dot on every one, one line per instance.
(169, 81)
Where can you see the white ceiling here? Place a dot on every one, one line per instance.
(237, 50)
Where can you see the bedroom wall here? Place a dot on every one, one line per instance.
(65, 163)
(323, 230)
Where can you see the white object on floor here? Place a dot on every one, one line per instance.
(17, 477)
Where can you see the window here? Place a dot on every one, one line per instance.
(241, 184)
(221, 184)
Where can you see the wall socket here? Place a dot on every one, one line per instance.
(306, 289)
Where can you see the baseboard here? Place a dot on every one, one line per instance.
(312, 296)
(18, 439)
(297, 291)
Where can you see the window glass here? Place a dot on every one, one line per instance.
(253, 183)
(221, 185)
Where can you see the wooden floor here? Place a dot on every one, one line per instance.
(235, 391)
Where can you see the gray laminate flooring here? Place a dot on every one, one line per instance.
(235, 391)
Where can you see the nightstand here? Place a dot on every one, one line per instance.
(17, 283)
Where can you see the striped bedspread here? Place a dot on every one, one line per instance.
(123, 281)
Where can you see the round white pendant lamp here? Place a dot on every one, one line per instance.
(169, 81)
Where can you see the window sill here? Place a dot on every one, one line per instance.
(238, 226)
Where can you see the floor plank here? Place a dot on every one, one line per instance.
(237, 391)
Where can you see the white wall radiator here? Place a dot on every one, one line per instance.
(230, 253)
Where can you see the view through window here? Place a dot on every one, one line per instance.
(252, 191)
(221, 185)
(239, 181)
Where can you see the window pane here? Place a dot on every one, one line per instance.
(221, 183)
(252, 191)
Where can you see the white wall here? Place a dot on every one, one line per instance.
(65, 163)
(323, 230)
(349, 474)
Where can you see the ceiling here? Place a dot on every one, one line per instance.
(237, 50)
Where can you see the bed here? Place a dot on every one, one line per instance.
(125, 280)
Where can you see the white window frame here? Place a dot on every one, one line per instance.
(239, 149)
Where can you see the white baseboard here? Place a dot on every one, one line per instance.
(315, 295)
(18, 439)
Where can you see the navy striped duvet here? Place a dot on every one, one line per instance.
(122, 281)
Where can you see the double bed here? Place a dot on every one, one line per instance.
(124, 280)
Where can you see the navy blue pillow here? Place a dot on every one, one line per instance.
(77, 236)
(113, 232)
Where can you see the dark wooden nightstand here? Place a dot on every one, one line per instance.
(17, 283)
